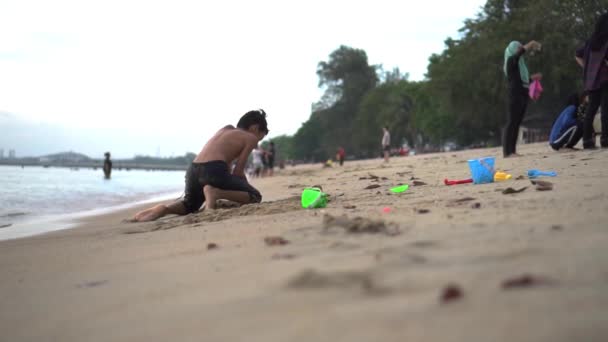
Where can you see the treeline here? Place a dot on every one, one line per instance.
(148, 160)
(463, 97)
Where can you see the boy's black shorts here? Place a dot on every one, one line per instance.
(217, 174)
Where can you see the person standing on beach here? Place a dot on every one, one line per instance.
(209, 178)
(341, 155)
(271, 155)
(386, 143)
(593, 58)
(518, 78)
(107, 166)
(257, 161)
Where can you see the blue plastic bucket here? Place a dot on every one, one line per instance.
(482, 170)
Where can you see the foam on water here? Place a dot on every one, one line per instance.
(33, 198)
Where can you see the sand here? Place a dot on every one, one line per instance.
(458, 263)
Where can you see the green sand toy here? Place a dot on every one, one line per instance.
(313, 198)
(400, 188)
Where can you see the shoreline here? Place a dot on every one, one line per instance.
(44, 224)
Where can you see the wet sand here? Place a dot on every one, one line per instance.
(528, 266)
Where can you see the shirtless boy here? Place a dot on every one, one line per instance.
(208, 178)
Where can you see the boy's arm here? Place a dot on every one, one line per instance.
(250, 143)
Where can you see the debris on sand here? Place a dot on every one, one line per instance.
(370, 176)
(460, 201)
(424, 243)
(360, 225)
(464, 199)
(212, 246)
(509, 191)
(311, 279)
(418, 183)
(283, 256)
(371, 186)
(275, 241)
(520, 177)
(450, 293)
(350, 206)
(542, 185)
(524, 281)
(422, 211)
(94, 283)
(476, 205)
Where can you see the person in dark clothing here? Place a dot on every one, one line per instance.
(518, 79)
(209, 177)
(593, 57)
(107, 166)
(341, 155)
(568, 128)
(271, 155)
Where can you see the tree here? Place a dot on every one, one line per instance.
(386, 105)
(307, 140)
(464, 96)
(346, 77)
(467, 77)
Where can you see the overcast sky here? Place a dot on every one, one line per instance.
(134, 77)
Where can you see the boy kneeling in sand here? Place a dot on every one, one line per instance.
(208, 178)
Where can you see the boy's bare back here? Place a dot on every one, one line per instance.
(228, 144)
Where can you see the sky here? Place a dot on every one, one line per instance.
(160, 77)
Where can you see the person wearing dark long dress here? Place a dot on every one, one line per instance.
(593, 58)
(518, 78)
(107, 166)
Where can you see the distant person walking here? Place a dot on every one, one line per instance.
(386, 143)
(341, 155)
(593, 57)
(518, 78)
(107, 166)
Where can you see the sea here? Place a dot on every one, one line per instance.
(36, 200)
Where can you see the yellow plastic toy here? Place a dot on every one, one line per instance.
(501, 176)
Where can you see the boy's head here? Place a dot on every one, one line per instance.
(255, 122)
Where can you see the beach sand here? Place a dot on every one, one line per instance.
(529, 266)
